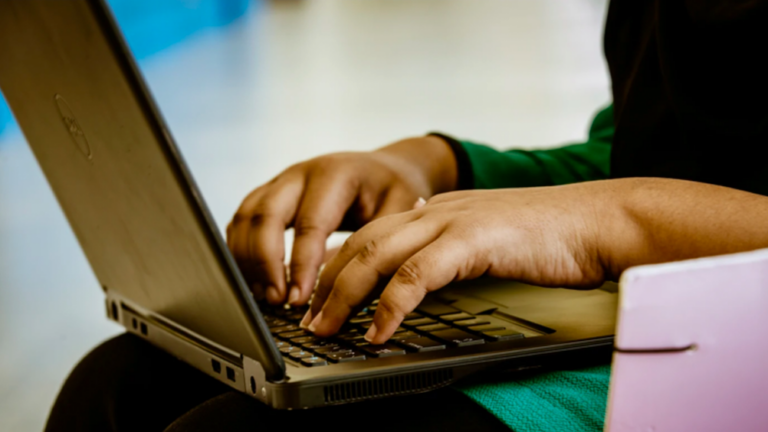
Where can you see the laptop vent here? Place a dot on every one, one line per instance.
(388, 386)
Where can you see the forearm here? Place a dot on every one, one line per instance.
(659, 220)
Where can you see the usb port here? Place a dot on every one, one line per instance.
(230, 374)
(216, 365)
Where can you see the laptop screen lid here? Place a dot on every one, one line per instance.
(112, 164)
(692, 346)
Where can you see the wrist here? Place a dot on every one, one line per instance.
(622, 241)
(430, 157)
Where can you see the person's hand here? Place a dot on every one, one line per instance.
(338, 191)
(574, 236)
(546, 236)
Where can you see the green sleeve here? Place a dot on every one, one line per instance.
(493, 169)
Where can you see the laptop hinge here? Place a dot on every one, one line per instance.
(256, 383)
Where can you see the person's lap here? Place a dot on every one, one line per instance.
(126, 384)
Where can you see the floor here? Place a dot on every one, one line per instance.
(292, 80)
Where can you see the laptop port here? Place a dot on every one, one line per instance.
(114, 311)
(216, 365)
(253, 385)
(135, 324)
(230, 374)
(143, 329)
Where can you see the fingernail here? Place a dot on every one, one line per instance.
(371, 333)
(419, 203)
(315, 322)
(294, 296)
(273, 295)
(306, 320)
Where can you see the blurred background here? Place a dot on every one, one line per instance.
(251, 87)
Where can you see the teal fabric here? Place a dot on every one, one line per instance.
(590, 160)
(562, 401)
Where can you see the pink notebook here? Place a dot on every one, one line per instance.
(692, 347)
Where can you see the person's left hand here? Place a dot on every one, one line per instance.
(545, 236)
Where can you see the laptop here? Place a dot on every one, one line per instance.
(167, 275)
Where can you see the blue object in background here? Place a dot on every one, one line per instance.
(150, 26)
(5, 115)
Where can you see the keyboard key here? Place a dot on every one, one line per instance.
(303, 339)
(289, 349)
(432, 327)
(366, 325)
(330, 349)
(472, 322)
(349, 335)
(399, 330)
(353, 337)
(486, 327)
(294, 334)
(385, 350)
(372, 309)
(360, 343)
(322, 343)
(299, 354)
(436, 309)
(345, 356)
(413, 315)
(314, 361)
(375, 302)
(281, 344)
(284, 328)
(459, 338)
(278, 311)
(276, 322)
(502, 335)
(456, 316)
(295, 315)
(422, 344)
(419, 322)
(361, 319)
(404, 336)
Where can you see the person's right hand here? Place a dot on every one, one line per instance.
(341, 191)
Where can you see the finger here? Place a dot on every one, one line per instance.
(379, 259)
(354, 244)
(258, 249)
(388, 202)
(330, 253)
(419, 203)
(257, 240)
(229, 235)
(433, 267)
(322, 208)
(256, 288)
(398, 200)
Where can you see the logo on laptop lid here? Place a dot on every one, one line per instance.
(73, 127)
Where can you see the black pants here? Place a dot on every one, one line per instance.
(127, 384)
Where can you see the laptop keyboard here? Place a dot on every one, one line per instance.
(432, 327)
